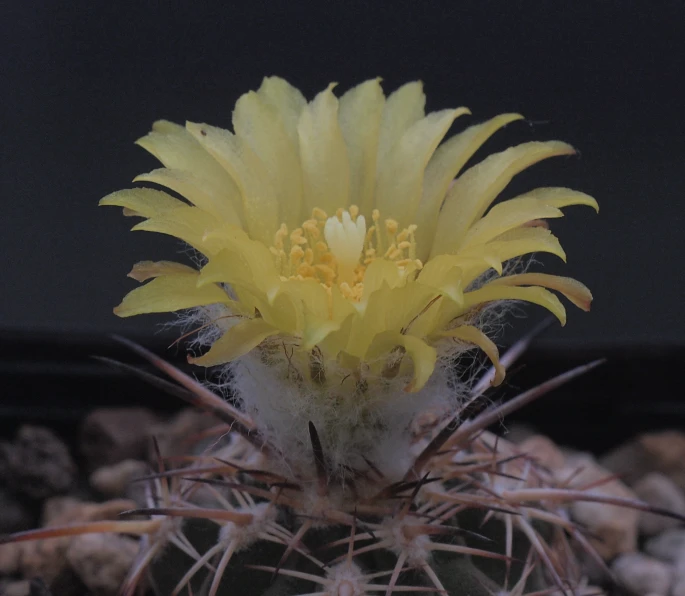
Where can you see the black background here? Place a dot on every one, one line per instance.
(80, 82)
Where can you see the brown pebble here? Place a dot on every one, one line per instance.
(102, 561)
(662, 451)
(175, 437)
(9, 558)
(111, 435)
(37, 464)
(47, 559)
(118, 480)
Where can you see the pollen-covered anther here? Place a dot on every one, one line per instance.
(326, 273)
(391, 226)
(297, 237)
(311, 228)
(296, 255)
(319, 214)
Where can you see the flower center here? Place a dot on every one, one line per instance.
(337, 250)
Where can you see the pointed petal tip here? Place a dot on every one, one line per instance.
(195, 128)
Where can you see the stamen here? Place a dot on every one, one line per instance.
(337, 250)
(319, 214)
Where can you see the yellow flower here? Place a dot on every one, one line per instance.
(341, 239)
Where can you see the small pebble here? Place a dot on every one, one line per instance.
(37, 464)
(659, 491)
(25, 587)
(679, 573)
(102, 561)
(667, 546)
(613, 529)
(662, 451)
(544, 451)
(111, 435)
(175, 436)
(118, 480)
(9, 558)
(641, 574)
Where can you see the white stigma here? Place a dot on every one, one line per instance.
(346, 241)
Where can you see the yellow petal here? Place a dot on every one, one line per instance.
(170, 293)
(260, 126)
(142, 202)
(287, 100)
(388, 309)
(506, 216)
(259, 203)
(491, 292)
(474, 261)
(518, 242)
(474, 191)
(446, 163)
(148, 269)
(422, 355)
(540, 203)
(341, 307)
(400, 175)
(199, 191)
(319, 317)
(244, 263)
(474, 266)
(323, 154)
(380, 272)
(283, 312)
(402, 108)
(360, 112)
(236, 342)
(190, 224)
(562, 197)
(311, 293)
(316, 331)
(444, 274)
(335, 342)
(176, 148)
(574, 290)
(475, 336)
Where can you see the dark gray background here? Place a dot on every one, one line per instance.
(80, 82)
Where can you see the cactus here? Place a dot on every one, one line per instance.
(345, 269)
(472, 515)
